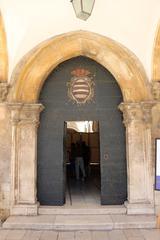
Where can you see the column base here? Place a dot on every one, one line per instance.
(25, 209)
(139, 208)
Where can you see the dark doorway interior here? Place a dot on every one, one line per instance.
(83, 184)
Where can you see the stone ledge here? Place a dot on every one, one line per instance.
(25, 210)
(63, 210)
(80, 222)
(139, 208)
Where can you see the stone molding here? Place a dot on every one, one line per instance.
(22, 114)
(28, 78)
(4, 89)
(156, 90)
(137, 112)
(3, 52)
(156, 56)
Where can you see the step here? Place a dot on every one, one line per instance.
(80, 222)
(50, 210)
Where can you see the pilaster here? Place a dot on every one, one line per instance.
(25, 120)
(138, 120)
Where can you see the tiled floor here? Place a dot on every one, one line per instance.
(128, 234)
(84, 193)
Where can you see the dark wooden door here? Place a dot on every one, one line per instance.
(58, 109)
(64, 158)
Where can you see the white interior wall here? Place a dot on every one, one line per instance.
(132, 23)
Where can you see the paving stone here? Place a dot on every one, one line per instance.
(3, 234)
(15, 235)
(100, 235)
(32, 235)
(152, 234)
(132, 233)
(135, 238)
(49, 235)
(66, 236)
(81, 235)
(117, 235)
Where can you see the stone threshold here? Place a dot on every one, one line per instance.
(95, 210)
(80, 222)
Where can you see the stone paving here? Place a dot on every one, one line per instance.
(125, 234)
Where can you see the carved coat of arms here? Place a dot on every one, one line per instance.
(81, 86)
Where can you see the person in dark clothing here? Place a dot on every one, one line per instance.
(86, 156)
(72, 158)
(79, 161)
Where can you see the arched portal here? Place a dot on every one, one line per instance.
(27, 82)
(111, 187)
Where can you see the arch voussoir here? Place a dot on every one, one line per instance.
(31, 72)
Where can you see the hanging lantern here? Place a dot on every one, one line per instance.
(83, 8)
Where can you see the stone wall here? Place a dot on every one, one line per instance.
(5, 160)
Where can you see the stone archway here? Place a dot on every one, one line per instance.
(3, 61)
(27, 81)
(31, 72)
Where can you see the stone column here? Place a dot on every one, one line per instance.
(25, 120)
(137, 119)
(4, 187)
(156, 134)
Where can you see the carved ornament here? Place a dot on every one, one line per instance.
(22, 114)
(137, 112)
(3, 91)
(156, 90)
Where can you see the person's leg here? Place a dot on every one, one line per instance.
(81, 164)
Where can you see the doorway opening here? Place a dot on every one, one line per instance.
(82, 163)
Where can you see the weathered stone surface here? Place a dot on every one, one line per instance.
(156, 61)
(137, 118)
(31, 72)
(5, 154)
(28, 80)
(3, 54)
(80, 222)
(3, 91)
(24, 120)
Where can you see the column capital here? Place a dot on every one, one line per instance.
(25, 113)
(4, 87)
(137, 112)
(156, 90)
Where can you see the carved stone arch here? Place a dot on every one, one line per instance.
(3, 61)
(156, 56)
(31, 72)
(156, 65)
(27, 81)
